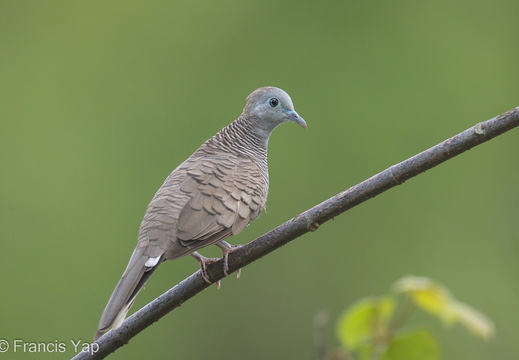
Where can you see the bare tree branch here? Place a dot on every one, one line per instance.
(299, 225)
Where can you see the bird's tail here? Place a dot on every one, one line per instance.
(132, 281)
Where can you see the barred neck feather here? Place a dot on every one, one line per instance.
(243, 138)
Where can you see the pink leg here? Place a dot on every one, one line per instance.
(226, 250)
(203, 266)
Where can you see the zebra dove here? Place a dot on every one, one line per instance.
(212, 195)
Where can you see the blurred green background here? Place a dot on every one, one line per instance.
(100, 100)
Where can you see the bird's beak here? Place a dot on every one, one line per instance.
(293, 116)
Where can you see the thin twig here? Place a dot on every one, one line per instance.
(321, 319)
(305, 222)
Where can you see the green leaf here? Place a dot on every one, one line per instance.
(414, 345)
(364, 321)
(436, 299)
(428, 295)
(476, 322)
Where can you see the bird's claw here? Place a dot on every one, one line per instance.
(226, 250)
(203, 261)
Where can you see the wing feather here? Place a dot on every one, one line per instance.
(225, 195)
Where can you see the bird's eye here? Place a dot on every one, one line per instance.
(273, 102)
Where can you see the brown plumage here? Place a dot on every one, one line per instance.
(212, 195)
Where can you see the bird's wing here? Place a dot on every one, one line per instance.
(225, 195)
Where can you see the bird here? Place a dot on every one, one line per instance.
(212, 195)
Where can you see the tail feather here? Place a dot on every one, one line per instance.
(132, 281)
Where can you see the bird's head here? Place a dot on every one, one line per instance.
(269, 107)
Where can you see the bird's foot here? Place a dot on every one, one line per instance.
(226, 250)
(203, 261)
